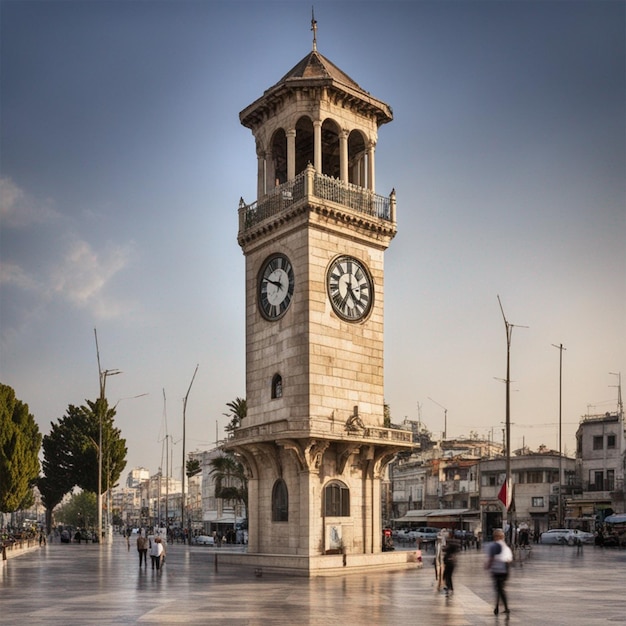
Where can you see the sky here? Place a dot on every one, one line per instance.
(122, 161)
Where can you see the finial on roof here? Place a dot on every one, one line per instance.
(314, 29)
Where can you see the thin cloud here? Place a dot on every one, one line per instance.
(83, 274)
(19, 210)
(12, 274)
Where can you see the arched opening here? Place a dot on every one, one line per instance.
(330, 149)
(304, 144)
(357, 159)
(336, 499)
(280, 502)
(279, 159)
(277, 386)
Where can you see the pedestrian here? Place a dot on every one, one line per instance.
(142, 549)
(156, 552)
(449, 562)
(500, 556)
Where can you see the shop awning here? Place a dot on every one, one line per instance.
(435, 515)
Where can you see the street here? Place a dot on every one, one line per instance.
(73, 584)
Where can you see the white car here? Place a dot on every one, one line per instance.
(566, 536)
(203, 540)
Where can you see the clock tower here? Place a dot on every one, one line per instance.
(314, 442)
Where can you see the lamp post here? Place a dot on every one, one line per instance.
(508, 486)
(182, 500)
(101, 406)
(560, 348)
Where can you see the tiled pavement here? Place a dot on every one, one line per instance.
(85, 585)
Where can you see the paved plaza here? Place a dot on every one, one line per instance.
(85, 584)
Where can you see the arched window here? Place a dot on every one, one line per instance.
(280, 502)
(330, 148)
(277, 386)
(279, 156)
(304, 143)
(336, 500)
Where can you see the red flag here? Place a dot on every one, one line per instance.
(505, 494)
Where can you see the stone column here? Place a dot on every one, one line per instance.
(371, 170)
(261, 187)
(343, 155)
(317, 146)
(291, 154)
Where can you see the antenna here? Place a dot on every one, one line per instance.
(445, 417)
(620, 406)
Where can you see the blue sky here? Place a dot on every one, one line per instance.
(123, 161)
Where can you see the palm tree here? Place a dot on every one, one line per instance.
(230, 479)
(238, 409)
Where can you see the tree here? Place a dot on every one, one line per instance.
(238, 409)
(71, 452)
(192, 468)
(231, 482)
(20, 441)
(81, 510)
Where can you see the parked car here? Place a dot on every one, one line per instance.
(426, 533)
(203, 540)
(566, 536)
(65, 536)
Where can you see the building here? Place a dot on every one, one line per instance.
(536, 488)
(601, 459)
(439, 485)
(136, 476)
(314, 442)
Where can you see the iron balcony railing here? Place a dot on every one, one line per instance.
(310, 183)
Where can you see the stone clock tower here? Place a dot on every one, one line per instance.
(314, 442)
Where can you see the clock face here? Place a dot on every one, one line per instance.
(350, 288)
(276, 284)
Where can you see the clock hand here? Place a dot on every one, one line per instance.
(276, 283)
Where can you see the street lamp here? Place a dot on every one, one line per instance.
(101, 404)
(507, 484)
(560, 348)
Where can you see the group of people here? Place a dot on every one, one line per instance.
(499, 558)
(152, 545)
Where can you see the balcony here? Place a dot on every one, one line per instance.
(322, 429)
(310, 185)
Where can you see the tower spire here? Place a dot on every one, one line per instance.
(314, 29)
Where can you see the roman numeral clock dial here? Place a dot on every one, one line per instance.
(276, 285)
(350, 288)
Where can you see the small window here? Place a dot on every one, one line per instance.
(610, 441)
(277, 386)
(280, 502)
(537, 501)
(336, 500)
(610, 480)
(598, 440)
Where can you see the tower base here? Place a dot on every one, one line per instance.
(323, 565)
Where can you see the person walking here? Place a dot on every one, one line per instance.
(142, 548)
(500, 556)
(449, 562)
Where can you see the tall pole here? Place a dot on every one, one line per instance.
(102, 376)
(509, 333)
(182, 500)
(560, 348)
